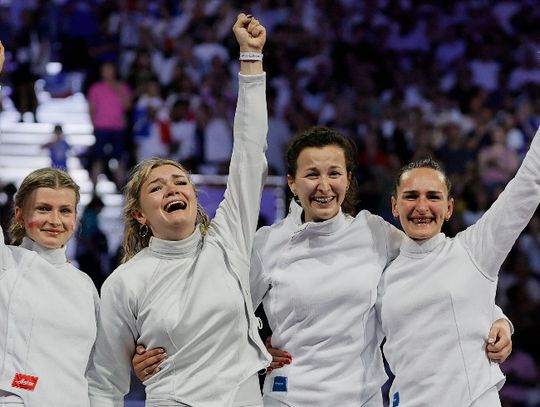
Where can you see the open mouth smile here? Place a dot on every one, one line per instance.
(323, 200)
(174, 206)
(421, 221)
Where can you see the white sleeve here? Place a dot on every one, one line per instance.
(236, 218)
(499, 314)
(259, 282)
(4, 254)
(110, 369)
(388, 238)
(490, 239)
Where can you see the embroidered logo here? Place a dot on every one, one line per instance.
(25, 382)
(280, 383)
(395, 401)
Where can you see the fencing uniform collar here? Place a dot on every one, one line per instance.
(415, 247)
(326, 227)
(173, 249)
(53, 256)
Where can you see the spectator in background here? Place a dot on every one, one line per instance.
(58, 149)
(79, 25)
(183, 127)
(147, 130)
(6, 208)
(26, 49)
(92, 251)
(140, 72)
(279, 135)
(109, 100)
(497, 162)
(216, 136)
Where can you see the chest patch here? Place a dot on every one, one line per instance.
(280, 383)
(25, 382)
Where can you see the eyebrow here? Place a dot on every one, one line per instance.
(333, 167)
(161, 179)
(415, 191)
(44, 203)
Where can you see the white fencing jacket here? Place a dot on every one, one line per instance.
(47, 326)
(438, 301)
(192, 297)
(318, 284)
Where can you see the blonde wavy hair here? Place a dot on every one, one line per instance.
(133, 242)
(42, 178)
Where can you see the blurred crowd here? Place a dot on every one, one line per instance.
(458, 81)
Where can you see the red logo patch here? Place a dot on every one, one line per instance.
(25, 382)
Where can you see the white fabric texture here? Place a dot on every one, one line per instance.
(318, 284)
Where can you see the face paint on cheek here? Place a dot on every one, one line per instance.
(32, 224)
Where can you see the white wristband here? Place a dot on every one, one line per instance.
(251, 56)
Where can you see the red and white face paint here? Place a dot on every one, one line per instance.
(49, 216)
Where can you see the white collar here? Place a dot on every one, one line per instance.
(170, 249)
(326, 227)
(416, 248)
(53, 256)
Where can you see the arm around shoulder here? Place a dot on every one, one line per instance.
(110, 368)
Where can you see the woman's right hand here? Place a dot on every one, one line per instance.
(146, 363)
(249, 33)
(280, 357)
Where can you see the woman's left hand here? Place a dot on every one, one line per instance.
(499, 343)
(146, 363)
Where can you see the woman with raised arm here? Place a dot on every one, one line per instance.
(48, 308)
(184, 284)
(437, 298)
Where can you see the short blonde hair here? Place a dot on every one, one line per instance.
(42, 178)
(134, 241)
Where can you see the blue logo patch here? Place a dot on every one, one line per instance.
(395, 401)
(280, 383)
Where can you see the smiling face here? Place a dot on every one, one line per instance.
(168, 203)
(422, 203)
(321, 181)
(48, 216)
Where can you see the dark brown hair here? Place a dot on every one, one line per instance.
(320, 137)
(423, 163)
